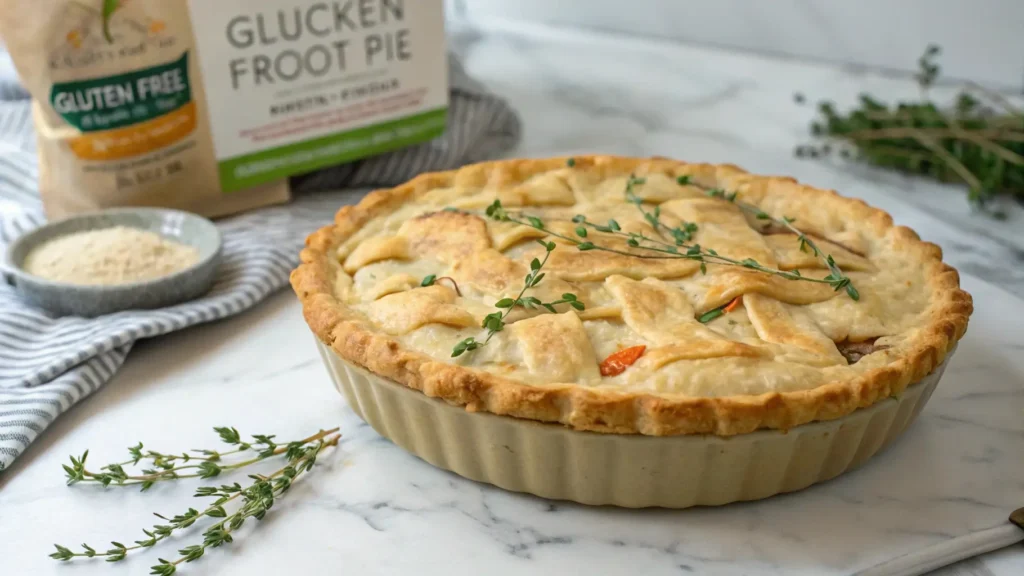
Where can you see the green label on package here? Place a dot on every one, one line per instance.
(122, 100)
(293, 87)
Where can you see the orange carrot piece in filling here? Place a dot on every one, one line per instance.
(618, 362)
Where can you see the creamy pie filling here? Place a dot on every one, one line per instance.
(781, 336)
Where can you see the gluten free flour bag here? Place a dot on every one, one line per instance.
(209, 105)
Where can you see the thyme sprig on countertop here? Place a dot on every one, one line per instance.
(495, 322)
(977, 139)
(257, 498)
(201, 464)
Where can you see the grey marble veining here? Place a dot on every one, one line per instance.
(371, 508)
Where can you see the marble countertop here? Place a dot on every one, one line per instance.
(370, 508)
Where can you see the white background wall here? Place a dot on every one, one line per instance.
(982, 40)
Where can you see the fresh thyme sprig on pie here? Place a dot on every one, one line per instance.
(681, 235)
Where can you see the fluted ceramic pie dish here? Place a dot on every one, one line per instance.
(627, 470)
(641, 332)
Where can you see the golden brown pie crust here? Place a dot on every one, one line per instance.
(347, 332)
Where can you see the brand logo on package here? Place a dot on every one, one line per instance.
(89, 35)
(297, 85)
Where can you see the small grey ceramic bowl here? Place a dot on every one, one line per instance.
(79, 300)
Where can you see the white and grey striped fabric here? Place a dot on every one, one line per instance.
(48, 364)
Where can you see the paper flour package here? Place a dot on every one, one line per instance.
(209, 106)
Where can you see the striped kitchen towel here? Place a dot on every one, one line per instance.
(48, 364)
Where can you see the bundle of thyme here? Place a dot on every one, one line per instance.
(256, 499)
(978, 139)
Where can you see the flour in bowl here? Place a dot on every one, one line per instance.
(118, 255)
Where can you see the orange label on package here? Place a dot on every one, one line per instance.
(138, 138)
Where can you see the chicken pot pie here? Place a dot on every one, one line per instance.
(623, 295)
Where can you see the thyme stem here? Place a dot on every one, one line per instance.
(672, 253)
(681, 249)
(208, 467)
